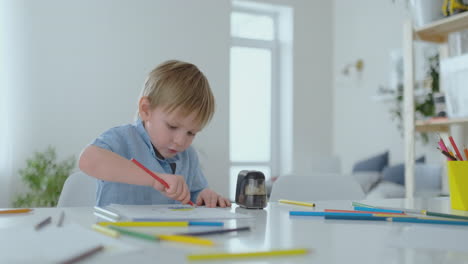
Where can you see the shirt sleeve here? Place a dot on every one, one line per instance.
(112, 140)
(199, 181)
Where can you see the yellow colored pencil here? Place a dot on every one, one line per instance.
(15, 211)
(145, 224)
(272, 253)
(187, 239)
(296, 203)
(106, 231)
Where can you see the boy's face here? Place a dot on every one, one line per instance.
(170, 133)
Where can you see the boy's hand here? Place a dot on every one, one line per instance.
(177, 190)
(212, 199)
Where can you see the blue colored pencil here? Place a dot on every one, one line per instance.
(380, 210)
(427, 221)
(397, 219)
(310, 213)
(192, 223)
(356, 217)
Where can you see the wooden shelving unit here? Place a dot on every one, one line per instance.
(436, 32)
(438, 125)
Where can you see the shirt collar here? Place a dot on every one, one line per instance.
(144, 134)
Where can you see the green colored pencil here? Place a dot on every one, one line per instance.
(134, 233)
(445, 215)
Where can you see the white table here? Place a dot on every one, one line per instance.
(331, 241)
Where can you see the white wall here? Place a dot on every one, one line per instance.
(85, 64)
(312, 79)
(80, 65)
(362, 127)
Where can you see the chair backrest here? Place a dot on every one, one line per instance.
(79, 189)
(316, 186)
(304, 164)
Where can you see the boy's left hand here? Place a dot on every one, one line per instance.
(212, 199)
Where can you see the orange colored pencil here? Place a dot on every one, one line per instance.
(358, 212)
(466, 153)
(15, 211)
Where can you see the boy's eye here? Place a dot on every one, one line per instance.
(191, 134)
(171, 126)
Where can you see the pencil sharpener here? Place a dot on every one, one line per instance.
(251, 190)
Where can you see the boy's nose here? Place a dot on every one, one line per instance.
(179, 139)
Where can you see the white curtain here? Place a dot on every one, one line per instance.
(6, 86)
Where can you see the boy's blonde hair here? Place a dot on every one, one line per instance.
(180, 85)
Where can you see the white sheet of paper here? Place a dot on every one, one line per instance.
(173, 212)
(431, 237)
(53, 244)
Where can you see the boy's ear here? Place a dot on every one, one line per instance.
(144, 108)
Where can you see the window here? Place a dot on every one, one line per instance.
(256, 119)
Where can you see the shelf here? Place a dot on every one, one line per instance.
(439, 125)
(438, 31)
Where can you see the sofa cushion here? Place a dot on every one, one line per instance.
(374, 163)
(367, 179)
(396, 173)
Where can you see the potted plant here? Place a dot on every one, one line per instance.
(44, 177)
(424, 104)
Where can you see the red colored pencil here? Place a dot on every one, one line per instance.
(466, 153)
(156, 177)
(459, 156)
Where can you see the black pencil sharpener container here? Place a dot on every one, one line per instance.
(251, 190)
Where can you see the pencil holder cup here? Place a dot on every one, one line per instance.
(458, 184)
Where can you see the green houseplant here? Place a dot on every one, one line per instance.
(44, 177)
(424, 102)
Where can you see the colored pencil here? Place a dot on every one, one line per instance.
(358, 212)
(106, 231)
(61, 218)
(466, 153)
(356, 217)
(245, 255)
(452, 216)
(459, 156)
(442, 144)
(296, 203)
(380, 210)
(405, 210)
(156, 177)
(187, 240)
(310, 213)
(448, 155)
(419, 211)
(134, 233)
(398, 219)
(161, 224)
(84, 255)
(15, 211)
(427, 221)
(214, 232)
(43, 223)
(145, 224)
(197, 223)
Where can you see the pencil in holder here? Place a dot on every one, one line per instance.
(458, 184)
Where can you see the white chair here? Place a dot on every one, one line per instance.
(316, 186)
(79, 189)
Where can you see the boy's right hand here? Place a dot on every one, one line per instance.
(178, 189)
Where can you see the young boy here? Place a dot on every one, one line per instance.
(175, 105)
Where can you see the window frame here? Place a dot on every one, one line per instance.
(275, 106)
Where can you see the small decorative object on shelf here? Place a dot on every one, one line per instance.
(452, 7)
